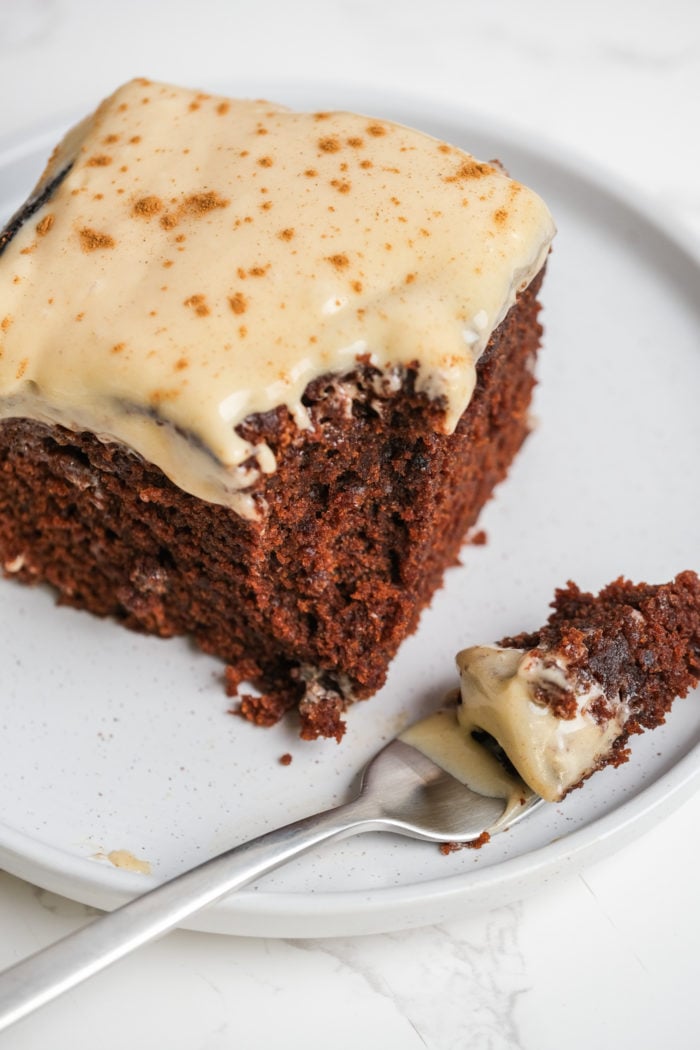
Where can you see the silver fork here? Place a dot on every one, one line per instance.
(401, 791)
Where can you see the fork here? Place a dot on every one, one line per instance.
(401, 791)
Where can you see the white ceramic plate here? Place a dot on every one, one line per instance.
(111, 741)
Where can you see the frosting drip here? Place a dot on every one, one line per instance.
(204, 259)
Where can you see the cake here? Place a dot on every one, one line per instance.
(259, 372)
(563, 701)
(539, 713)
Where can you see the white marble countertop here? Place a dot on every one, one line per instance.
(607, 957)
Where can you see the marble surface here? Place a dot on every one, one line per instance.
(607, 957)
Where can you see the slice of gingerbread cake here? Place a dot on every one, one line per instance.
(260, 370)
(563, 701)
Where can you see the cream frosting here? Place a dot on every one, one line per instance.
(441, 738)
(502, 693)
(205, 259)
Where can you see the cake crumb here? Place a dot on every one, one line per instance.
(452, 847)
(478, 539)
(265, 710)
(285, 759)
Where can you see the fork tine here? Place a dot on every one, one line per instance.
(420, 799)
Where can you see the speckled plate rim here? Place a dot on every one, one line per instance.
(331, 914)
(255, 912)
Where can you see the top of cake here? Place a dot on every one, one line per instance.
(190, 260)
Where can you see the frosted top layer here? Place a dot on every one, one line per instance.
(205, 259)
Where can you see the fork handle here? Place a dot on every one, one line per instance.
(51, 971)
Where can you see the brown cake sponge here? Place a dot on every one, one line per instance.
(639, 642)
(366, 510)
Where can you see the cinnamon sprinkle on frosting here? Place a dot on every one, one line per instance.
(352, 234)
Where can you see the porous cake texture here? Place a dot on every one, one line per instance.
(260, 371)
